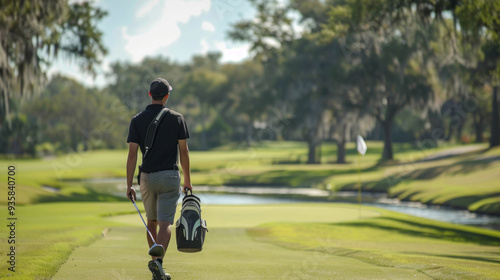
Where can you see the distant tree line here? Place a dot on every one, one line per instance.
(392, 70)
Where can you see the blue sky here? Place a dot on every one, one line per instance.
(177, 29)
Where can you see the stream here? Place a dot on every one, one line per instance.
(227, 195)
(438, 213)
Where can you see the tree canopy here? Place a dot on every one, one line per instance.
(391, 70)
(33, 33)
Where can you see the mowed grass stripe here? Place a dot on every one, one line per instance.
(466, 180)
(46, 234)
(325, 241)
(247, 216)
(228, 254)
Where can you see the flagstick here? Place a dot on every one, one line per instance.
(359, 185)
(361, 147)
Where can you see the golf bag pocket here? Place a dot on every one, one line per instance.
(190, 227)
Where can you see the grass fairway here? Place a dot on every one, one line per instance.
(58, 234)
(46, 234)
(466, 181)
(299, 241)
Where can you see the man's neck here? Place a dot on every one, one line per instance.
(158, 102)
(161, 102)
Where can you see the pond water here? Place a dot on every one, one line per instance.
(225, 195)
(437, 213)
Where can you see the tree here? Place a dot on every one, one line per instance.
(33, 32)
(480, 20)
(248, 99)
(389, 66)
(130, 82)
(476, 20)
(304, 69)
(206, 87)
(313, 74)
(72, 117)
(20, 137)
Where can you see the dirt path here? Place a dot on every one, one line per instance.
(453, 152)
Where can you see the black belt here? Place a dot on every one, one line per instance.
(173, 168)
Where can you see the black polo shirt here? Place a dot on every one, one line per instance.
(163, 155)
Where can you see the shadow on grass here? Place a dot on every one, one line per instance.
(383, 185)
(468, 200)
(422, 229)
(461, 167)
(447, 154)
(371, 186)
(293, 178)
(460, 257)
(490, 208)
(88, 195)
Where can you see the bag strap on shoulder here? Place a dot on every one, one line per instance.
(151, 132)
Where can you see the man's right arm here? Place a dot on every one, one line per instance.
(131, 164)
(184, 157)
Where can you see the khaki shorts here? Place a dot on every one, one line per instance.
(160, 193)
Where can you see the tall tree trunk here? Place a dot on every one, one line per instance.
(248, 133)
(495, 121)
(478, 126)
(74, 140)
(387, 154)
(311, 155)
(314, 138)
(203, 129)
(460, 129)
(318, 152)
(341, 152)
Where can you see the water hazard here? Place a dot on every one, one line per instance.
(226, 195)
(437, 213)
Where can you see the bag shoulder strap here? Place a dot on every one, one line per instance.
(151, 132)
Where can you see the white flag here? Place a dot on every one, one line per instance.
(360, 143)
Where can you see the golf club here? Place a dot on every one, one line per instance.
(156, 250)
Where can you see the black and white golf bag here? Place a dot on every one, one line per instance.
(190, 227)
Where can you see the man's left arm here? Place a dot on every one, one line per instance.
(131, 164)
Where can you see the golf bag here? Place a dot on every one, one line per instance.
(190, 227)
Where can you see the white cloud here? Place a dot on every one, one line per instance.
(165, 30)
(233, 54)
(205, 47)
(142, 12)
(207, 26)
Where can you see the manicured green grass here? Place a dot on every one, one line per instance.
(46, 234)
(299, 241)
(470, 181)
(467, 181)
(61, 173)
(422, 247)
(252, 240)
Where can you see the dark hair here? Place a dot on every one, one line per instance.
(158, 98)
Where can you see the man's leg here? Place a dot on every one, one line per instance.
(156, 264)
(162, 238)
(152, 226)
(164, 234)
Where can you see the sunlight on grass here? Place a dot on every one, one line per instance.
(458, 181)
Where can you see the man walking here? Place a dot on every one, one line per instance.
(159, 172)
